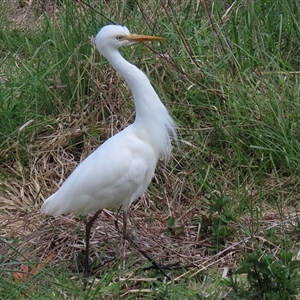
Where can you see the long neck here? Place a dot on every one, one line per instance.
(151, 114)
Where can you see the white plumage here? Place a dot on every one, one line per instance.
(121, 169)
(117, 173)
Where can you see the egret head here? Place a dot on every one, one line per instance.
(112, 37)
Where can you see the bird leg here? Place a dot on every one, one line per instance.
(128, 238)
(87, 268)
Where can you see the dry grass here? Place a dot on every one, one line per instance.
(24, 14)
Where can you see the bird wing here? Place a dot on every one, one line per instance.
(117, 173)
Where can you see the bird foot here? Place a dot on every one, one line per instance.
(90, 269)
(174, 266)
(156, 265)
(161, 267)
(87, 271)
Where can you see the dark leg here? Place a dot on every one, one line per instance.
(127, 238)
(88, 226)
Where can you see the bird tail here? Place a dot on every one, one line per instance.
(51, 206)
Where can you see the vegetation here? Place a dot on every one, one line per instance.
(225, 207)
(269, 277)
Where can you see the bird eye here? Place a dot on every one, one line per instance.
(120, 38)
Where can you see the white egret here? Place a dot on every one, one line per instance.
(120, 170)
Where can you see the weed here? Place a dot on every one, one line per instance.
(269, 276)
(217, 224)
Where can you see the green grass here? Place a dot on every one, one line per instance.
(228, 73)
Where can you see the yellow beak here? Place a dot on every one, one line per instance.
(142, 38)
